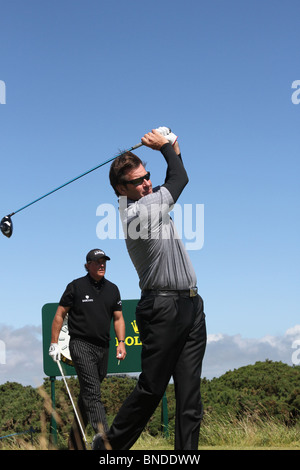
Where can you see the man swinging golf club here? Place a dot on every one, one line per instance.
(170, 313)
(91, 302)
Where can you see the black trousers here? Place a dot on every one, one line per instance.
(90, 362)
(173, 334)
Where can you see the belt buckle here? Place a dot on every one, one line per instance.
(193, 291)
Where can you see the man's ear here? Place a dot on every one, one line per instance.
(121, 188)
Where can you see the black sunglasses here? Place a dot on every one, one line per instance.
(139, 180)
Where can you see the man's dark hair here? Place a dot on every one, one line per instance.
(122, 165)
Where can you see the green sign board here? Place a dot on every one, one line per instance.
(132, 362)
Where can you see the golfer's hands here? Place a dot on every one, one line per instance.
(154, 140)
(54, 352)
(121, 351)
(169, 135)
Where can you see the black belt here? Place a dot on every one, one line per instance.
(192, 292)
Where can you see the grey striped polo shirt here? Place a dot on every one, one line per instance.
(157, 252)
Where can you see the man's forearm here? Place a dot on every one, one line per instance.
(58, 322)
(176, 178)
(176, 148)
(119, 326)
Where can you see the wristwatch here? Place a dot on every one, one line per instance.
(63, 343)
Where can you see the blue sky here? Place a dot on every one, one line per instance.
(85, 79)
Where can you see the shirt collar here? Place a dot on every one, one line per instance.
(95, 283)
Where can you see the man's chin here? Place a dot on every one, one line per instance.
(147, 193)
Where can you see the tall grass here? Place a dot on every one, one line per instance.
(249, 431)
(216, 433)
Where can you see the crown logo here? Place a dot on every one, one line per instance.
(134, 326)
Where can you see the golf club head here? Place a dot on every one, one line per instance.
(6, 226)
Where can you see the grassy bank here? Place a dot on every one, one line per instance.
(256, 407)
(217, 433)
(228, 433)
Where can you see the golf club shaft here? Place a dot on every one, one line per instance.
(75, 411)
(74, 179)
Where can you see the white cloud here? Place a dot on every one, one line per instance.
(225, 352)
(23, 353)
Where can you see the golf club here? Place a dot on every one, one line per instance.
(75, 411)
(6, 225)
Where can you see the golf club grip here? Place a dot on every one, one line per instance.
(136, 146)
(141, 143)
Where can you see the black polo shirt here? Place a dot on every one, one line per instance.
(92, 305)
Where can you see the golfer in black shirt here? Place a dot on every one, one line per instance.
(91, 302)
